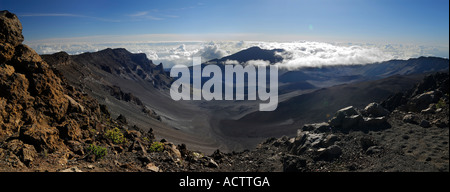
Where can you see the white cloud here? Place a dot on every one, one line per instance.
(231, 62)
(139, 14)
(149, 15)
(212, 51)
(317, 54)
(257, 62)
(297, 55)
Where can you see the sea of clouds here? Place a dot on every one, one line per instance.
(297, 54)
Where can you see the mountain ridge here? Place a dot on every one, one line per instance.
(252, 53)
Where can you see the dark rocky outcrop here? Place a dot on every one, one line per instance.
(117, 93)
(349, 118)
(430, 90)
(118, 62)
(357, 139)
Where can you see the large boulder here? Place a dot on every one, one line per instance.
(328, 154)
(292, 163)
(375, 122)
(425, 124)
(306, 140)
(422, 101)
(10, 29)
(26, 153)
(410, 118)
(347, 111)
(173, 151)
(375, 110)
(341, 114)
(29, 153)
(329, 140)
(43, 137)
(351, 122)
(6, 52)
(374, 116)
(317, 127)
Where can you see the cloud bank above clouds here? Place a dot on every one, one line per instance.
(168, 53)
(297, 54)
(317, 54)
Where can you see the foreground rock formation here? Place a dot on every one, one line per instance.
(39, 111)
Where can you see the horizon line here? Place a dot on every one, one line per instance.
(197, 37)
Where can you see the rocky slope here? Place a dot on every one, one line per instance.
(131, 85)
(412, 136)
(119, 62)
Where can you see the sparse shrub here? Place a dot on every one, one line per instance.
(115, 135)
(440, 103)
(156, 147)
(44, 153)
(93, 131)
(98, 151)
(197, 155)
(146, 139)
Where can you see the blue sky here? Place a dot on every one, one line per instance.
(409, 21)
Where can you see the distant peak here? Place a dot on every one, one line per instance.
(254, 48)
(116, 50)
(253, 53)
(62, 53)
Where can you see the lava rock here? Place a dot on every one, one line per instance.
(425, 124)
(375, 122)
(367, 142)
(330, 140)
(422, 101)
(10, 29)
(328, 154)
(375, 110)
(374, 150)
(410, 118)
(292, 163)
(347, 119)
(317, 127)
(352, 122)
